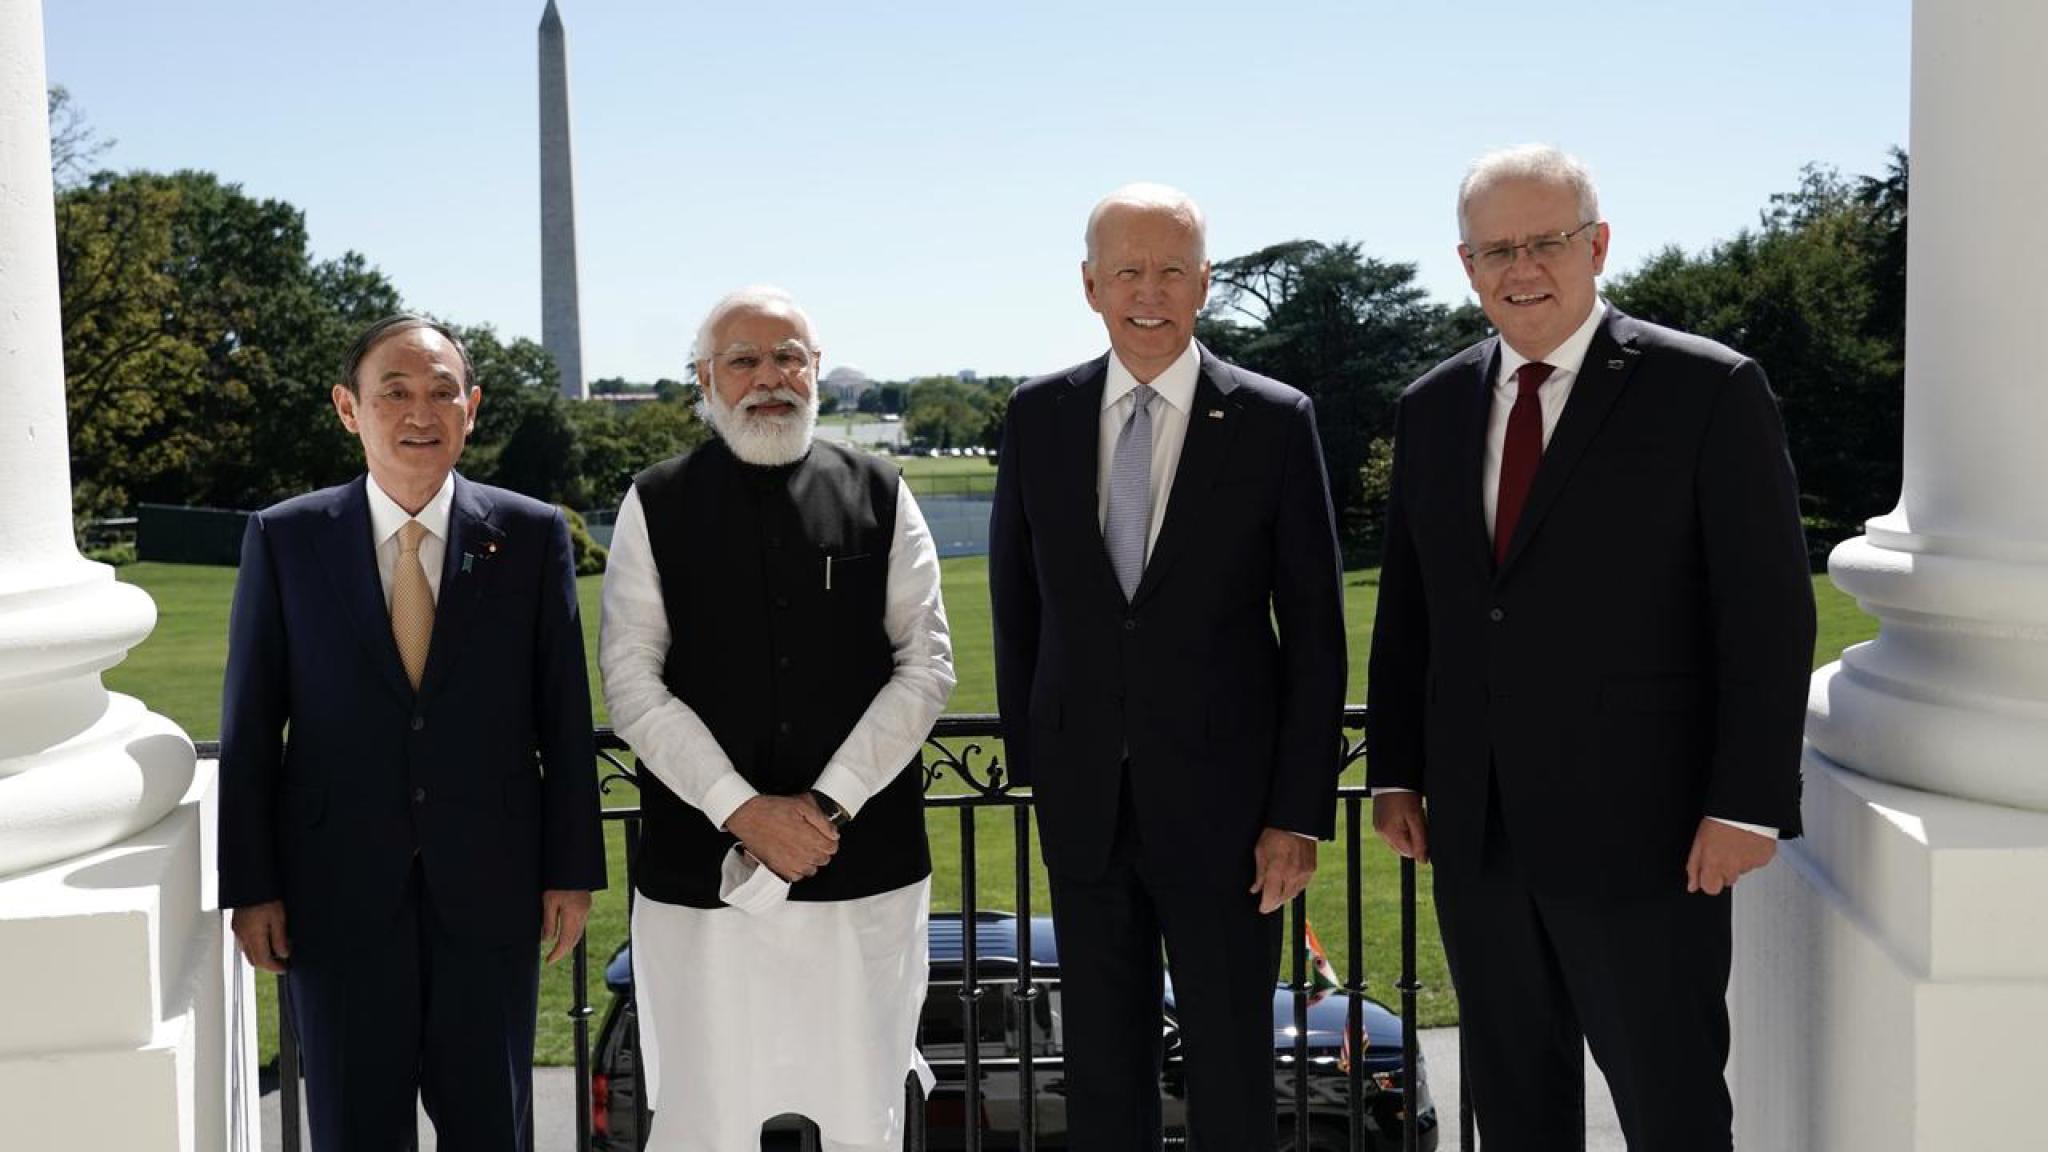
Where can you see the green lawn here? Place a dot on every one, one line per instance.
(178, 671)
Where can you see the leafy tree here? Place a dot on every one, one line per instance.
(945, 412)
(617, 443)
(1815, 293)
(1348, 330)
(523, 438)
(201, 341)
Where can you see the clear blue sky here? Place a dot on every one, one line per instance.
(918, 172)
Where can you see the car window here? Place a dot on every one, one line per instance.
(941, 1026)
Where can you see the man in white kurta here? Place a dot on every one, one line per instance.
(755, 1002)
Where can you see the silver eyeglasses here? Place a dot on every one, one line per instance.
(1542, 249)
(742, 361)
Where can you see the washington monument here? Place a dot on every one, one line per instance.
(561, 324)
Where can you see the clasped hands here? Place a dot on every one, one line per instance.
(789, 835)
(1721, 853)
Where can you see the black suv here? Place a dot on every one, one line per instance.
(941, 1036)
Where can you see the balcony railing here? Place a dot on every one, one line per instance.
(961, 749)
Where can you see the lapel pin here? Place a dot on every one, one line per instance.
(1616, 363)
(467, 561)
(491, 549)
(1215, 413)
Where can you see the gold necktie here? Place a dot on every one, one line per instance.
(412, 602)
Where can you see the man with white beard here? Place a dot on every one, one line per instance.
(775, 650)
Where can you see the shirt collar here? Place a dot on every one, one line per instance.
(386, 517)
(1176, 385)
(1564, 360)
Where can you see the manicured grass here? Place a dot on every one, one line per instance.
(932, 467)
(178, 672)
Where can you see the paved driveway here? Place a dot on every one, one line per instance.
(554, 1104)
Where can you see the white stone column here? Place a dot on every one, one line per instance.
(111, 961)
(1891, 982)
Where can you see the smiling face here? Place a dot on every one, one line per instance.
(763, 393)
(1148, 280)
(411, 411)
(1534, 303)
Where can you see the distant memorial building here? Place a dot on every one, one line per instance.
(561, 323)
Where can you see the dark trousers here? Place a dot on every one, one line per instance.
(1225, 958)
(414, 1014)
(1642, 981)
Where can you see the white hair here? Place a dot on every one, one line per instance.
(1152, 198)
(1528, 162)
(756, 297)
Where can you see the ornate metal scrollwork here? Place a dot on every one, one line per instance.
(981, 769)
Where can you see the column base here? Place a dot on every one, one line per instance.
(117, 999)
(1952, 696)
(1891, 974)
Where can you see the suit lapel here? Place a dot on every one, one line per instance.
(1477, 406)
(349, 557)
(1079, 415)
(1610, 360)
(1202, 455)
(472, 541)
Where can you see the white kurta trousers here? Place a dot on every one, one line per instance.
(801, 1007)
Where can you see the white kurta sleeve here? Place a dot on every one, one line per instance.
(902, 714)
(633, 639)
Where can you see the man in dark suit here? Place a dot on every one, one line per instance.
(408, 794)
(1590, 663)
(1169, 636)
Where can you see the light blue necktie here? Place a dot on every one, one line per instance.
(1130, 493)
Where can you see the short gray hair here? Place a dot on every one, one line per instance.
(762, 297)
(1528, 162)
(1152, 198)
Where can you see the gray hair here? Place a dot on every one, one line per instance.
(761, 297)
(1152, 198)
(1528, 162)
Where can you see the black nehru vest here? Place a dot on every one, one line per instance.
(779, 664)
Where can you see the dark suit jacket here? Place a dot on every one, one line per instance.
(1640, 659)
(334, 771)
(1223, 677)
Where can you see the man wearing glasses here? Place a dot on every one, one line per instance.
(775, 650)
(1589, 673)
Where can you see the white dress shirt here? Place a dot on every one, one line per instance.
(726, 994)
(386, 518)
(1176, 388)
(1565, 362)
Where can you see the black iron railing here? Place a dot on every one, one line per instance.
(1380, 1111)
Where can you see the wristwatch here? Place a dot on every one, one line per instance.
(830, 807)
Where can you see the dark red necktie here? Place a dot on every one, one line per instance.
(1520, 453)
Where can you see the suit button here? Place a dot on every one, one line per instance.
(419, 795)
(1130, 625)
(419, 722)
(782, 663)
(1497, 615)
(782, 727)
(775, 541)
(782, 601)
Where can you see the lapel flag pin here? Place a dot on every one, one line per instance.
(1215, 413)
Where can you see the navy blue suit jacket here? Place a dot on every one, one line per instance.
(1222, 678)
(334, 771)
(1640, 659)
